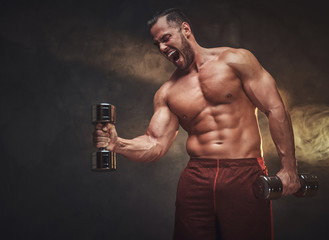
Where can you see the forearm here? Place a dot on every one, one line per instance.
(282, 134)
(141, 149)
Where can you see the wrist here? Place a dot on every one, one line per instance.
(289, 164)
(118, 145)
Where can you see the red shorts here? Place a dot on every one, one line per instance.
(215, 201)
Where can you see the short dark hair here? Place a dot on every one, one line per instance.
(173, 15)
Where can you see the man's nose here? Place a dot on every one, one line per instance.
(163, 48)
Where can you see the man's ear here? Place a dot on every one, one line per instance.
(186, 29)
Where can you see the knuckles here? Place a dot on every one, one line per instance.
(102, 136)
(98, 145)
(291, 184)
(291, 188)
(100, 133)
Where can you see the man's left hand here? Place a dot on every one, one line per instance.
(290, 181)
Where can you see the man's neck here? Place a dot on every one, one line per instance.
(201, 56)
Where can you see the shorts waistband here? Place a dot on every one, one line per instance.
(226, 162)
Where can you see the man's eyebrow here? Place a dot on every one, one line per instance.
(156, 43)
(164, 36)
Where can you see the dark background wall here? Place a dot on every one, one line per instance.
(58, 58)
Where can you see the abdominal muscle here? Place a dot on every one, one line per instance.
(231, 138)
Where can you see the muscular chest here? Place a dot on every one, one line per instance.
(218, 83)
(215, 84)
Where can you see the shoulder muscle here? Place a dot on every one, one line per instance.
(243, 62)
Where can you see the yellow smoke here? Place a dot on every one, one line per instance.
(311, 132)
(311, 129)
(112, 51)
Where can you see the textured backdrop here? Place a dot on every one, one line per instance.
(59, 58)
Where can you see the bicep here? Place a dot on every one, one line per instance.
(164, 124)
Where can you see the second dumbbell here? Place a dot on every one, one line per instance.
(270, 187)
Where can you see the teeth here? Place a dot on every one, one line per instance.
(171, 53)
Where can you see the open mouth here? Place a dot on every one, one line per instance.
(174, 56)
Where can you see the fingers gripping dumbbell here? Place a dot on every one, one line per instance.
(103, 160)
(271, 187)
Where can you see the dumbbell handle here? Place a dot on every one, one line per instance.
(270, 187)
(103, 160)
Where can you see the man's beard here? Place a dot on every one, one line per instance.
(187, 53)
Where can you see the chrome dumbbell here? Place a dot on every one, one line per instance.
(271, 187)
(103, 160)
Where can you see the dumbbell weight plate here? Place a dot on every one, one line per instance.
(267, 187)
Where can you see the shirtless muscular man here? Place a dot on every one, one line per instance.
(214, 95)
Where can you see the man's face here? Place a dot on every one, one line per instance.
(172, 44)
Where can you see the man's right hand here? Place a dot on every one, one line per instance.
(105, 136)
